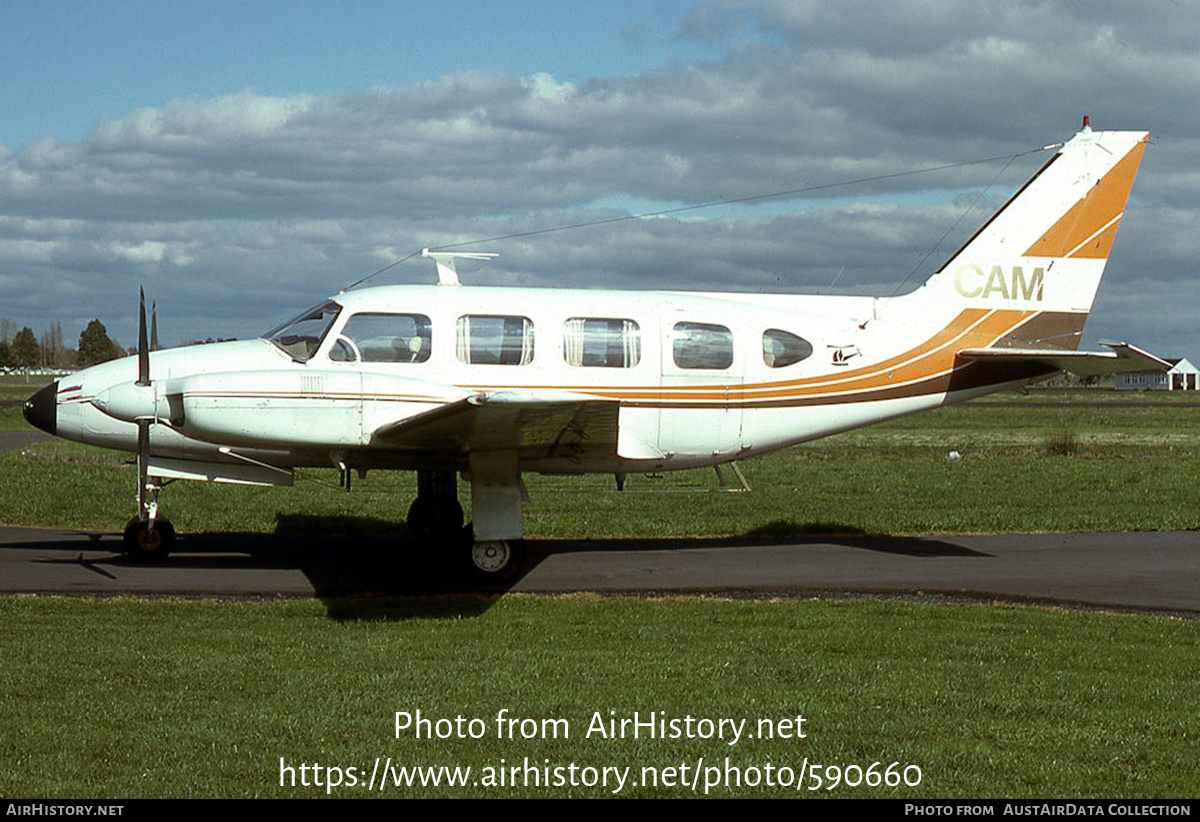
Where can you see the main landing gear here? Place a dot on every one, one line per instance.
(435, 515)
(435, 519)
(495, 558)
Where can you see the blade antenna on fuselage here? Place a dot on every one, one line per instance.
(444, 260)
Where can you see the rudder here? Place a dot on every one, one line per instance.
(1044, 252)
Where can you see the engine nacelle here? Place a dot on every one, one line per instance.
(294, 407)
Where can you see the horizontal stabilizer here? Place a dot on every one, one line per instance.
(1122, 358)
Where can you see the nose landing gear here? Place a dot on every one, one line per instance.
(148, 537)
(147, 541)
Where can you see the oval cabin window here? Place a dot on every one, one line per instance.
(782, 348)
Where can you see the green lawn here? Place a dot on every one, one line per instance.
(123, 699)
(18, 388)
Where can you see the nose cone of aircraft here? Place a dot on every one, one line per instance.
(41, 410)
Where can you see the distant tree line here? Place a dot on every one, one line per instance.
(209, 340)
(24, 349)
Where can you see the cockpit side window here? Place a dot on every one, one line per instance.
(300, 337)
(782, 348)
(402, 338)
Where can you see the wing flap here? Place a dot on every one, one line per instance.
(534, 424)
(1121, 358)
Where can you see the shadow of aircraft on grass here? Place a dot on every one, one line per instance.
(368, 568)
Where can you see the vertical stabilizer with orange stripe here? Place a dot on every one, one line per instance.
(1043, 254)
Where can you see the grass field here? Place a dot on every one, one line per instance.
(204, 699)
(16, 388)
(121, 698)
(12, 391)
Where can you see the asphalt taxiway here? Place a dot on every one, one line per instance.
(16, 440)
(1153, 571)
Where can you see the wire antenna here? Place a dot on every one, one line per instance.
(792, 192)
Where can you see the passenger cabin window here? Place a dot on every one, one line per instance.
(484, 339)
(384, 338)
(702, 345)
(598, 342)
(781, 348)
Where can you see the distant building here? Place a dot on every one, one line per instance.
(1183, 376)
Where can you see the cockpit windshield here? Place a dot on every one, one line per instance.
(301, 337)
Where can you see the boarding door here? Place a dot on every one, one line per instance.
(702, 374)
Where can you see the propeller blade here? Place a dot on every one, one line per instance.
(143, 346)
(154, 346)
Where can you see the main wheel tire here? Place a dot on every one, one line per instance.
(495, 560)
(144, 545)
(428, 521)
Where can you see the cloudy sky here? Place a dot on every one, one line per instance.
(243, 160)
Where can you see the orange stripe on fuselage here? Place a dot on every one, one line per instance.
(971, 328)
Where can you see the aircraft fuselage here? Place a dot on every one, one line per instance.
(692, 379)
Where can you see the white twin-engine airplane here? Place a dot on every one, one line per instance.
(492, 382)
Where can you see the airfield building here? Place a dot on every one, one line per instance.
(1183, 376)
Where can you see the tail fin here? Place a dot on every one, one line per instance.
(1044, 252)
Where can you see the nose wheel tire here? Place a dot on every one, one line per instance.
(144, 545)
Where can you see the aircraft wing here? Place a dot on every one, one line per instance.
(1121, 358)
(535, 424)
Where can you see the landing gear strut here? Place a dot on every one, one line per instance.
(435, 515)
(148, 537)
